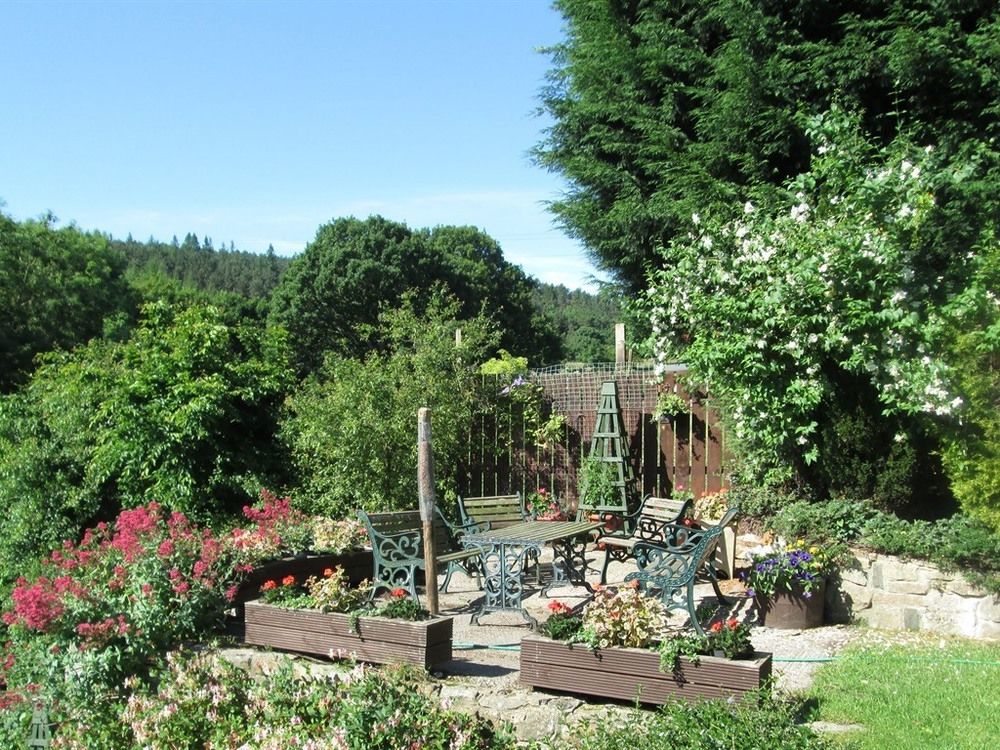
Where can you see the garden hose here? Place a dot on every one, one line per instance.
(466, 646)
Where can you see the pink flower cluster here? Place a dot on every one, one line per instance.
(88, 592)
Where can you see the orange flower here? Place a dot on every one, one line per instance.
(733, 623)
(328, 573)
(399, 593)
(288, 581)
(716, 627)
(269, 586)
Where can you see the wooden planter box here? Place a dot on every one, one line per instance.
(631, 674)
(357, 563)
(379, 640)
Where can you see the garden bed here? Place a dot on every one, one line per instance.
(378, 640)
(634, 674)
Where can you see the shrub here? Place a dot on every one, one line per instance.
(759, 721)
(107, 607)
(205, 703)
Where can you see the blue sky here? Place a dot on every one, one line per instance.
(256, 122)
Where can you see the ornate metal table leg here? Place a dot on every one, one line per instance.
(569, 564)
(503, 588)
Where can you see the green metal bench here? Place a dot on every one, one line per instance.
(671, 568)
(498, 511)
(654, 521)
(398, 549)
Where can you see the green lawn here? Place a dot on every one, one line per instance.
(944, 696)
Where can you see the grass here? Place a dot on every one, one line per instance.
(944, 696)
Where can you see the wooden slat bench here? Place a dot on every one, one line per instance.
(398, 549)
(652, 522)
(498, 511)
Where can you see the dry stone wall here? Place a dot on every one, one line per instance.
(888, 592)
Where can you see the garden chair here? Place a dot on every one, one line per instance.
(656, 520)
(398, 549)
(670, 569)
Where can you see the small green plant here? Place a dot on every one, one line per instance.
(563, 624)
(668, 403)
(542, 506)
(336, 536)
(597, 483)
(623, 617)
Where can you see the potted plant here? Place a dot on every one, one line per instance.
(541, 505)
(621, 647)
(327, 616)
(789, 583)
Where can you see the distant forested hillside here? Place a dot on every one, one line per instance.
(198, 264)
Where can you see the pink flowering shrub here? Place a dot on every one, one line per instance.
(107, 606)
(277, 529)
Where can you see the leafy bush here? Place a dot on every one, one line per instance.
(759, 721)
(352, 428)
(107, 607)
(205, 703)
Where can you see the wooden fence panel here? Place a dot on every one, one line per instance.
(683, 451)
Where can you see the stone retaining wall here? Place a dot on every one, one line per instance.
(888, 592)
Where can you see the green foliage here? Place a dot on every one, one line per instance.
(351, 429)
(185, 412)
(785, 309)
(202, 702)
(585, 322)
(58, 285)
(925, 696)
(597, 484)
(662, 109)
(331, 297)
(198, 266)
(972, 449)
(758, 721)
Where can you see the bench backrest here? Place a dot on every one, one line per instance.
(395, 522)
(656, 516)
(499, 510)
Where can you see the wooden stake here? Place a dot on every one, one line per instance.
(425, 489)
(619, 344)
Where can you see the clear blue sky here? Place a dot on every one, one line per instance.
(256, 122)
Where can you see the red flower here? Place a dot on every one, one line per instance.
(716, 627)
(269, 586)
(733, 623)
(288, 581)
(328, 573)
(559, 608)
(399, 592)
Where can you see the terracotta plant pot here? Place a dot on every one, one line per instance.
(378, 640)
(791, 609)
(631, 674)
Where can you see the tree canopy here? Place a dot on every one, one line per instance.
(57, 285)
(664, 108)
(331, 296)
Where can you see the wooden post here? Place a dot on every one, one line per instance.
(619, 344)
(425, 489)
(458, 337)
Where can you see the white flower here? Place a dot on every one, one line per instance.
(748, 207)
(800, 212)
(695, 219)
(706, 242)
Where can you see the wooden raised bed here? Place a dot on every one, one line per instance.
(631, 674)
(379, 640)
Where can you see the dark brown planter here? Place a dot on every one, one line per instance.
(357, 563)
(631, 674)
(379, 640)
(791, 609)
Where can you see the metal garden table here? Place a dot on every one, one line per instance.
(505, 551)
